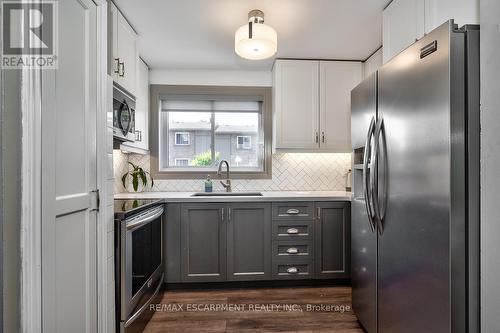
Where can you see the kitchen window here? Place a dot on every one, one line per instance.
(200, 126)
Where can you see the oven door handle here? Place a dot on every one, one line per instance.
(152, 215)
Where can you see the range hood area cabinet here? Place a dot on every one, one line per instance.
(141, 143)
(123, 51)
(312, 104)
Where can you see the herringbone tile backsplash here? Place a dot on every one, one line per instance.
(291, 172)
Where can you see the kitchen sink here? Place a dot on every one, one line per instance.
(227, 194)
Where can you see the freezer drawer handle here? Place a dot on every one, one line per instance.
(292, 270)
(293, 211)
(292, 231)
(292, 250)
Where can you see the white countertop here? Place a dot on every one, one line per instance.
(266, 196)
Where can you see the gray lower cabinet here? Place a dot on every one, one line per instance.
(203, 242)
(249, 241)
(332, 240)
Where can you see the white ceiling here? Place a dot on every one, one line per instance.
(199, 34)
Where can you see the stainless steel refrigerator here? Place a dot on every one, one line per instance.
(415, 218)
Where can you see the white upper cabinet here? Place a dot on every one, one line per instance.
(372, 64)
(296, 104)
(439, 11)
(402, 24)
(123, 51)
(141, 143)
(312, 104)
(405, 21)
(337, 79)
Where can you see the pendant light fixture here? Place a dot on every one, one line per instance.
(255, 40)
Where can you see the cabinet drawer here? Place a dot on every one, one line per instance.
(293, 270)
(293, 230)
(293, 210)
(293, 250)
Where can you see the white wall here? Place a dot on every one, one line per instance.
(211, 77)
(373, 63)
(490, 162)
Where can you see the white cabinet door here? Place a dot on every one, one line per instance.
(337, 79)
(296, 98)
(372, 64)
(127, 52)
(141, 112)
(439, 11)
(114, 41)
(69, 167)
(402, 24)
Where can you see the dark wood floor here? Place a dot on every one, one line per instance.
(170, 318)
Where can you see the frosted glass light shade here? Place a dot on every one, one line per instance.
(262, 45)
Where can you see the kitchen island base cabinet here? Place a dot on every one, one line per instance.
(249, 242)
(203, 242)
(332, 240)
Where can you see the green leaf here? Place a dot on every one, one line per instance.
(143, 177)
(135, 181)
(124, 178)
(151, 177)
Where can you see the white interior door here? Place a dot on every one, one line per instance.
(69, 107)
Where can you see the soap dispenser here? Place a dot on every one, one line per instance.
(208, 184)
(348, 181)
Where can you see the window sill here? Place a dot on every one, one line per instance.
(213, 175)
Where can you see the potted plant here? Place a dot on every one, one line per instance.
(139, 178)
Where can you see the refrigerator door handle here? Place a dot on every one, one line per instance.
(366, 191)
(378, 209)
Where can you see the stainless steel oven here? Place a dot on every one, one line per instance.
(139, 260)
(123, 114)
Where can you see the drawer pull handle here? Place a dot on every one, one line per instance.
(293, 211)
(292, 250)
(292, 270)
(292, 231)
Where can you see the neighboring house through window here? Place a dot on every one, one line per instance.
(182, 138)
(181, 162)
(244, 142)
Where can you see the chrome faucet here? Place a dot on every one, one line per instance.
(227, 184)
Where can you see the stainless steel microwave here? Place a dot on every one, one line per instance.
(123, 115)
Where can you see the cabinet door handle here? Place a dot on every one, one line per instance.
(138, 136)
(122, 65)
(292, 250)
(117, 70)
(292, 270)
(317, 137)
(292, 231)
(293, 211)
(323, 137)
(318, 212)
(229, 214)
(222, 214)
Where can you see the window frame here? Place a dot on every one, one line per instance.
(262, 94)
